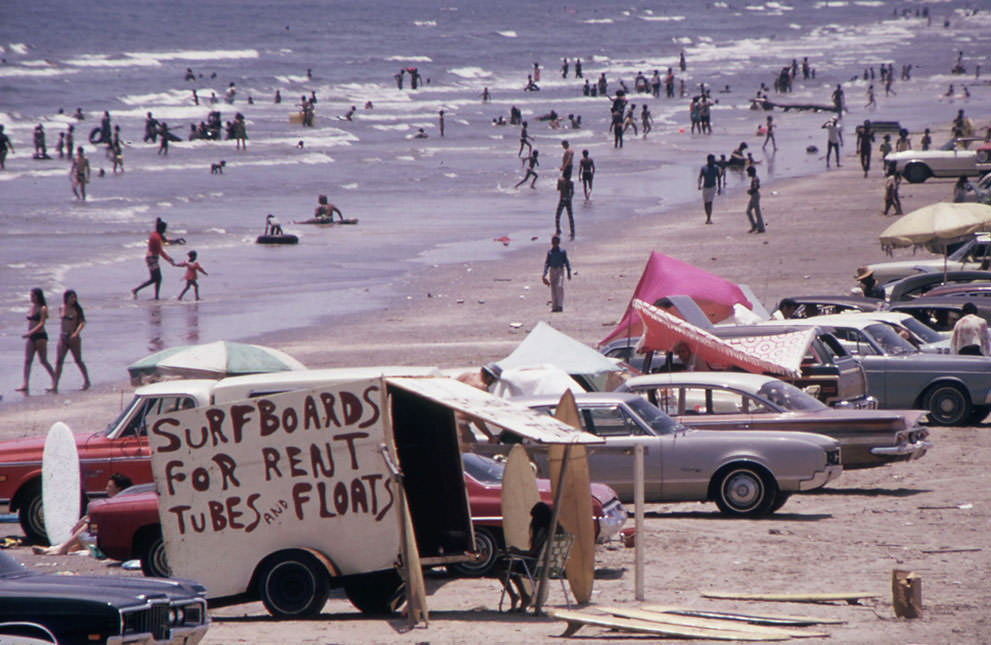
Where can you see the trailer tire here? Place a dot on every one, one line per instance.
(293, 584)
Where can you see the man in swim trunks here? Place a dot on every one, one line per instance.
(567, 160)
(326, 210)
(586, 171)
(708, 183)
(865, 138)
(79, 174)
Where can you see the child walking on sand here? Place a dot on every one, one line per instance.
(192, 266)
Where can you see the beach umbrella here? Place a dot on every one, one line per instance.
(936, 224)
(212, 360)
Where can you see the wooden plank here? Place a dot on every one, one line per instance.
(755, 619)
(709, 623)
(576, 620)
(849, 597)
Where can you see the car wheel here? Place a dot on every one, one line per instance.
(487, 546)
(154, 562)
(373, 593)
(779, 501)
(32, 515)
(293, 585)
(948, 405)
(979, 413)
(916, 173)
(744, 490)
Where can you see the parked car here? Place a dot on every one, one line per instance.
(828, 371)
(941, 313)
(127, 526)
(918, 285)
(103, 609)
(742, 401)
(981, 192)
(925, 338)
(948, 161)
(970, 256)
(809, 306)
(123, 445)
(745, 473)
(954, 389)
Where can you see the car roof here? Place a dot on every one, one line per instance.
(240, 387)
(857, 301)
(766, 328)
(861, 319)
(744, 380)
(580, 397)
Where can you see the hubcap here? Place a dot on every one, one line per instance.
(743, 490)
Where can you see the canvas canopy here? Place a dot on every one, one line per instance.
(775, 354)
(500, 412)
(547, 346)
(537, 380)
(666, 276)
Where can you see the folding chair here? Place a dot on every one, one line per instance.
(555, 563)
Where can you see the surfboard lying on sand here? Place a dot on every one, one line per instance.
(576, 620)
(709, 623)
(60, 483)
(756, 619)
(850, 597)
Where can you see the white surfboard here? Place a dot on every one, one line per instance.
(60, 492)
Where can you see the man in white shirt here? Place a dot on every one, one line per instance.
(970, 334)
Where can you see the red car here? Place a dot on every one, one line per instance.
(122, 448)
(127, 526)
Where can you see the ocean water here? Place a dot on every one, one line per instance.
(421, 202)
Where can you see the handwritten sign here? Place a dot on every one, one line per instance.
(300, 469)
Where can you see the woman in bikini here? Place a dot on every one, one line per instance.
(73, 322)
(37, 338)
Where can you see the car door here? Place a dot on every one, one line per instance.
(614, 463)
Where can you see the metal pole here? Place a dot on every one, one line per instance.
(541, 590)
(638, 451)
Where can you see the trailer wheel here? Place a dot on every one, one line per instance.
(293, 584)
(374, 593)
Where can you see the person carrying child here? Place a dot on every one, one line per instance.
(192, 266)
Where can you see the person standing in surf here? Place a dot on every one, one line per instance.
(37, 338)
(525, 140)
(156, 243)
(79, 174)
(5, 146)
(586, 171)
(73, 322)
(708, 183)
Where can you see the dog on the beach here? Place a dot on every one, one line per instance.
(217, 168)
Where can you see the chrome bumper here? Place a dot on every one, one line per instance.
(867, 402)
(821, 478)
(180, 636)
(912, 450)
(612, 520)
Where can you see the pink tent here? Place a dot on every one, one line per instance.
(776, 354)
(665, 276)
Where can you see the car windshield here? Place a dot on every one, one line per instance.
(656, 420)
(889, 340)
(923, 331)
(790, 397)
(482, 469)
(120, 417)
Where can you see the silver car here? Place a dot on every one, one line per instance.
(743, 401)
(745, 473)
(954, 389)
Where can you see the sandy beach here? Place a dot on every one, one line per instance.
(444, 268)
(846, 537)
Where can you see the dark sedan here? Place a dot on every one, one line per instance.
(101, 609)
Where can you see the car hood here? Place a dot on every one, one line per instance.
(119, 591)
(905, 155)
